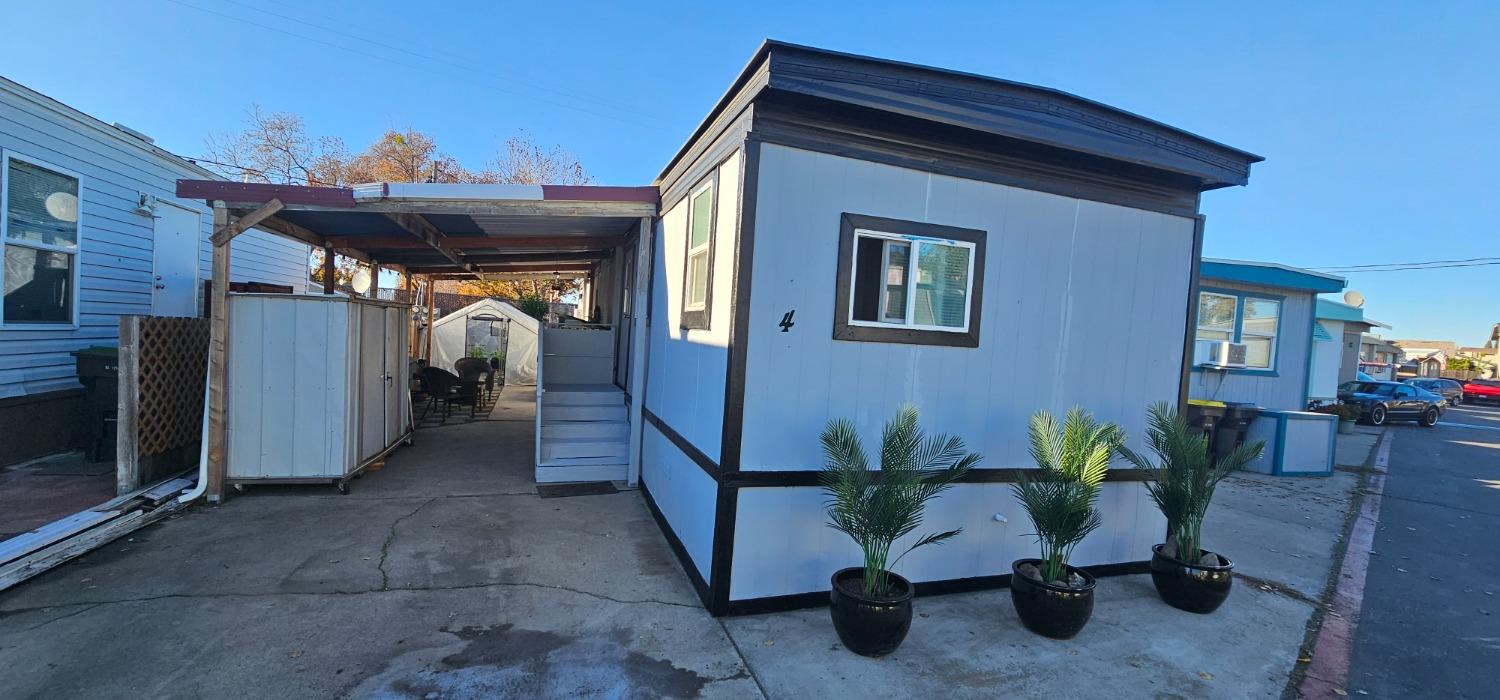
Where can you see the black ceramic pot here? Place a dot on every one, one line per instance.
(1048, 609)
(1192, 587)
(869, 626)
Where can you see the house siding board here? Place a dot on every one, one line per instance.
(783, 546)
(688, 366)
(685, 495)
(1084, 305)
(1287, 389)
(115, 263)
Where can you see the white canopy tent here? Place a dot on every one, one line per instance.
(482, 324)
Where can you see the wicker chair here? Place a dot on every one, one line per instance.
(448, 390)
(476, 369)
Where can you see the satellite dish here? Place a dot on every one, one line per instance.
(361, 281)
(1354, 299)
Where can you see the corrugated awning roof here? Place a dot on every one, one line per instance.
(440, 228)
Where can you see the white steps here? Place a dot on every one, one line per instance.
(585, 433)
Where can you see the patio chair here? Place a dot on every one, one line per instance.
(447, 390)
(476, 369)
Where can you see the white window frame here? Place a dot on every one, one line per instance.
(6, 156)
(911, 280)
(1234, 317)
(1274, 335)
(706, 250)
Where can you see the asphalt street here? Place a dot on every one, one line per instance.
(1430, 620)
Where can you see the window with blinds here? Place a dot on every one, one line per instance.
(911, 282)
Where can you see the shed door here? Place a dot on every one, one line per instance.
(394, 349)
(372, 380)
(175, 261)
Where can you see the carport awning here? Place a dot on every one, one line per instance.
(447, 229)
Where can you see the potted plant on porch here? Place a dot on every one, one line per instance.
(871, 605)
(1053, 598)
(1186, 576)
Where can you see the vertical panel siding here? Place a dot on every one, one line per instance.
(684, 494)
(688, 366)
(116, 258)
(1287, 390)
(1084, 304)
(782, 545)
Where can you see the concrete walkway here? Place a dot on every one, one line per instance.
(444, 575)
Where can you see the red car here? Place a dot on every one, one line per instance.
(1482, 390)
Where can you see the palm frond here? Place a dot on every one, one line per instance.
(1060, 497)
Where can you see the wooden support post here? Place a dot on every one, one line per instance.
(640, 290)
(218, 362)
(127, 459)
(431, 314)
(330, 271)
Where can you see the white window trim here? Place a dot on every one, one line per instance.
(6, 156)
(1234, 316)
(706, 249)
(911, 281)
(1274, 335)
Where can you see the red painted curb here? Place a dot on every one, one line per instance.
(1328, 673)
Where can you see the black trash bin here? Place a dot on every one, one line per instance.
(1231, 430)
(99, 372)
(1205, 416)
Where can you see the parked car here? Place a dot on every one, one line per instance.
(1379, 402)
(1482, 390)
(1450, 389)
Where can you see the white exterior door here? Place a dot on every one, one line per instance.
(372, 380)
(175, 261)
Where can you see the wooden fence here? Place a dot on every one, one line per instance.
(163, 364)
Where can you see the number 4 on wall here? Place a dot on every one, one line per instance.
(786, 321)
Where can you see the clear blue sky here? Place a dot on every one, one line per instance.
(1380, 122)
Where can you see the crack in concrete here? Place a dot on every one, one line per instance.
(80, 611)
(385, 577)
(1279, 588)
(368, 591)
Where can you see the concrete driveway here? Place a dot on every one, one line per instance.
(445, 575)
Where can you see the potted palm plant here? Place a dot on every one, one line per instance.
(871, 605)
(1053, 598)
(1182, 483)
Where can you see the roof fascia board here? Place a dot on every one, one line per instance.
(1270, 275)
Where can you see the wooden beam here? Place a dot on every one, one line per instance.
(330, 271)
(431, 314)
(517, 267)
(418, 226)
(556, 258)
(477, 242)
(243, 223)
(483, 207)
(290, 230)
(127, 452)
(218, 361)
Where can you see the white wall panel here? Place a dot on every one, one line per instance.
(783, 546)
(116, 257)
(687, 367)
(1084, 304)
(686, 496)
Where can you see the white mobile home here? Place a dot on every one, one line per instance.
(92, 230)
(845, 235)
(841, 236)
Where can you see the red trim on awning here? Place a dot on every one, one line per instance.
(262, 192)
(591, 193)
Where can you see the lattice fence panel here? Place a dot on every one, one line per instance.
(173, 360)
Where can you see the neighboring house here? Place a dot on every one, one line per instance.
(1337, 331)
(1256, 332)
(1425, 358)
(92, 231)
(1378, 357)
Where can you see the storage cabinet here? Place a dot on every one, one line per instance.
(317, 386)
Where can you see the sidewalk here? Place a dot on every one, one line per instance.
(444, 573)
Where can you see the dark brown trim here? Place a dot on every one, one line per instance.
(844, 330)
(1190, 325)
(817, 599)
(810, 477)
(732, 433)
(683, 558)
(709, 467)
(700, 320)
